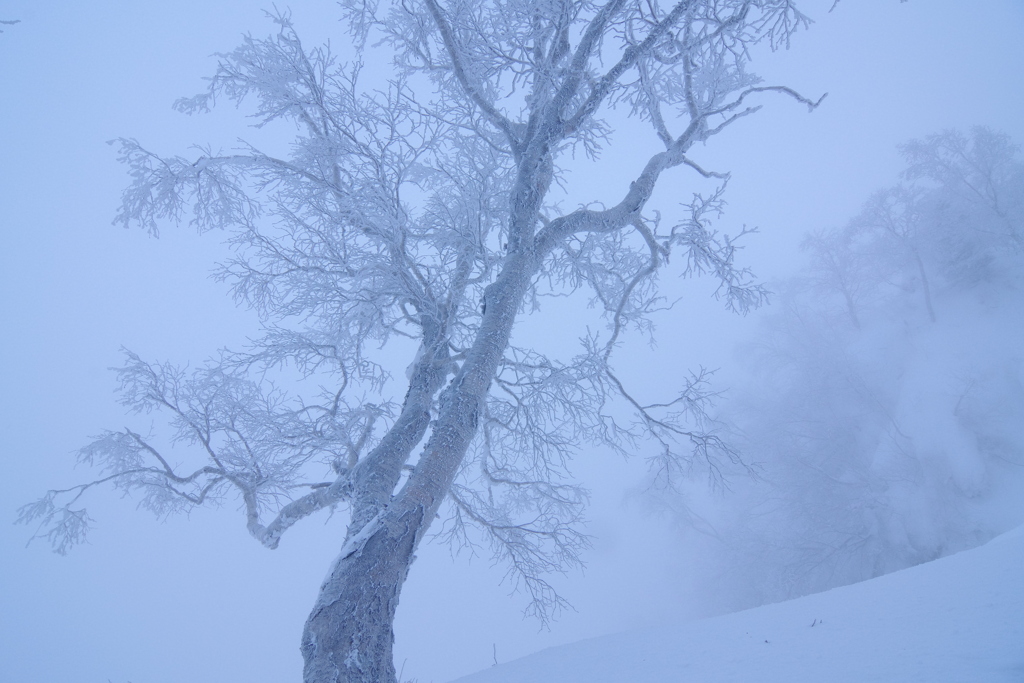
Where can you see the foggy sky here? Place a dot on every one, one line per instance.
(197, 599)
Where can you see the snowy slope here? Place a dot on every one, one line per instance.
(957, 619)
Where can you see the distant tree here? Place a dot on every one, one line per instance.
(896, 220)
(422, 210)
(957, 216)
(972, 201)
(898, 438)
(838, 266)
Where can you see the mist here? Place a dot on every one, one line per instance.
(878, 403)
(871, 437)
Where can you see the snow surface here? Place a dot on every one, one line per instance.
(959, 618)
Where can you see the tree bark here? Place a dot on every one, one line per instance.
(349, 637)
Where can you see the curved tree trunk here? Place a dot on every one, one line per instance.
(348, 637)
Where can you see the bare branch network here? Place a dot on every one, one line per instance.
(421, 208)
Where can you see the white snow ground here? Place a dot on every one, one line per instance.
(957, 619)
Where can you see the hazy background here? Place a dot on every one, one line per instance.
(197, 599)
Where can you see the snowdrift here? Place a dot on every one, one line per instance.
(959, 618)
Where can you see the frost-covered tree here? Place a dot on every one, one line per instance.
(956, 216)
(971, 202)
(423, 209)
(883, 398)
(838, 267)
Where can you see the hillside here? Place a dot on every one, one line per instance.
(959, 618)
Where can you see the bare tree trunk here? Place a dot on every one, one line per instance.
(851, 308)
(348, 637)
(924, 286)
